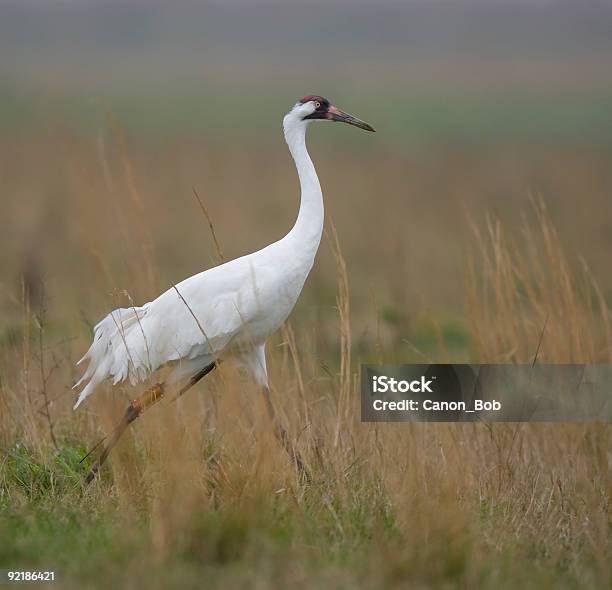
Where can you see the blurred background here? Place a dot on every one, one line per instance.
(112, 112)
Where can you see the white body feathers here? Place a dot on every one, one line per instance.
(236, 305)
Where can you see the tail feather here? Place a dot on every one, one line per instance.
(108, 354)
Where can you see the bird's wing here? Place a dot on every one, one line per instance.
(203, 314)
(199, 317)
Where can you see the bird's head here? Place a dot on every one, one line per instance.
(317, 108)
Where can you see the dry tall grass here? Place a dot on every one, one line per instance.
(200, 492)
(528, 304)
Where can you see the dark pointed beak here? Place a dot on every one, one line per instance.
(336, 114)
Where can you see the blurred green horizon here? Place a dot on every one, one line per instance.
(404, 119)
(420, 71)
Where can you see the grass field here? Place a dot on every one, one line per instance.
(447, 251)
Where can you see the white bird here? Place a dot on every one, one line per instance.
(232, 308)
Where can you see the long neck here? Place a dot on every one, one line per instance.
(306, 233)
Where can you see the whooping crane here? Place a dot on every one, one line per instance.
(231, 308)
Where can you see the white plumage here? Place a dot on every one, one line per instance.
(232, 307)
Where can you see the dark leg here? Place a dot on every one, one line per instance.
(197, 377)
(149, 398)
(283, 437)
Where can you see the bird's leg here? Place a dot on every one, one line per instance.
(200, 375)
(283, 437)
(149, 398)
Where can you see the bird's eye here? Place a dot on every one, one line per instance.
(317, 104)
